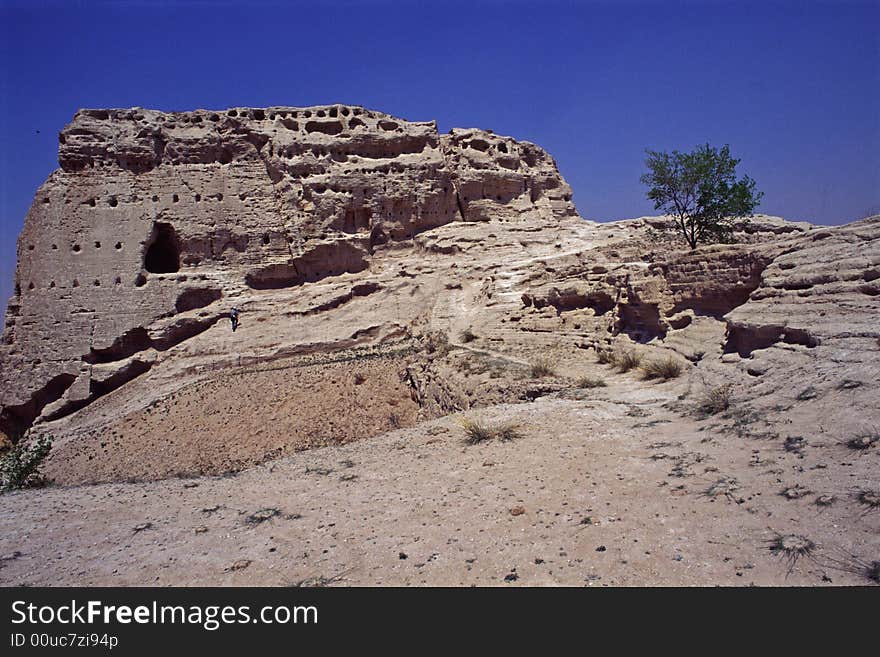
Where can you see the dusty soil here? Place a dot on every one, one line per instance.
(621, 485)
(241, 418)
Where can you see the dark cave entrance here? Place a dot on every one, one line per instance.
(163, 250)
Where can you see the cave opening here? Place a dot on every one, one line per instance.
(163, 250)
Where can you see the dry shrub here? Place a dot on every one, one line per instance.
(591, 382)
(476, 432)
(863, 441)
(664, 368)
(627, 359)
(541, 368)
(605, 356)
(715, 400)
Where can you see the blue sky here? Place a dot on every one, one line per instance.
(793, 87)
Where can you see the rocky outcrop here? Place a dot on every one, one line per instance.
(827, 288)
(640, 285)
(156, 221)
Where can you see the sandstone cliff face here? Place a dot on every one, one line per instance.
(349, 236)
(392, 281)
(157, 222)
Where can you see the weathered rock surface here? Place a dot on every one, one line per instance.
(156, 223)
(390, 277)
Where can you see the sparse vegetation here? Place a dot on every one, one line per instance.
(436, 343)
(725, 486)
(795, 444)
(825, 500)
(851, 563)
(591, 382)
(627, 359)
(792, 547)
(870, 499)
(795, 492)
(807, 393)
(862, 441)
(476, 432)
(605, 356)
(20, 466)
(541, 368)
(715, 400)
(262, 516)
(467, 335)
(664, 368)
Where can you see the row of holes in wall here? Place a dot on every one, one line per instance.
(76, 248)
(319, 189)
(331, 112)
(114, 202)
(139, 281)
(250, 113)
(76, 283)
(260, 115)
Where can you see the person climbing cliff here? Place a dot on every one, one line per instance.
(233, 317)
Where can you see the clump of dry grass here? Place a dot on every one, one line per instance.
(870, 499)
(476, 432)
(851, 563)
(591, 382)
(725, 486)
(541, 368)
(605, 356)
(863, 441)
(627, 359)
(262, 515)
(664, 368)
(715, 400)
(792, 547)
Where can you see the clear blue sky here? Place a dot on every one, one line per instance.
(793, 87)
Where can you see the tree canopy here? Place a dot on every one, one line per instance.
(700, 191)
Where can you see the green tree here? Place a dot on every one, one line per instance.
(701, 192)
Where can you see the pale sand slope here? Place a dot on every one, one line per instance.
(642, 473)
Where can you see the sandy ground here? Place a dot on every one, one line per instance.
(238, 419)
(609, 486)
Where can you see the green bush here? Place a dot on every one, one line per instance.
(20, 466)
